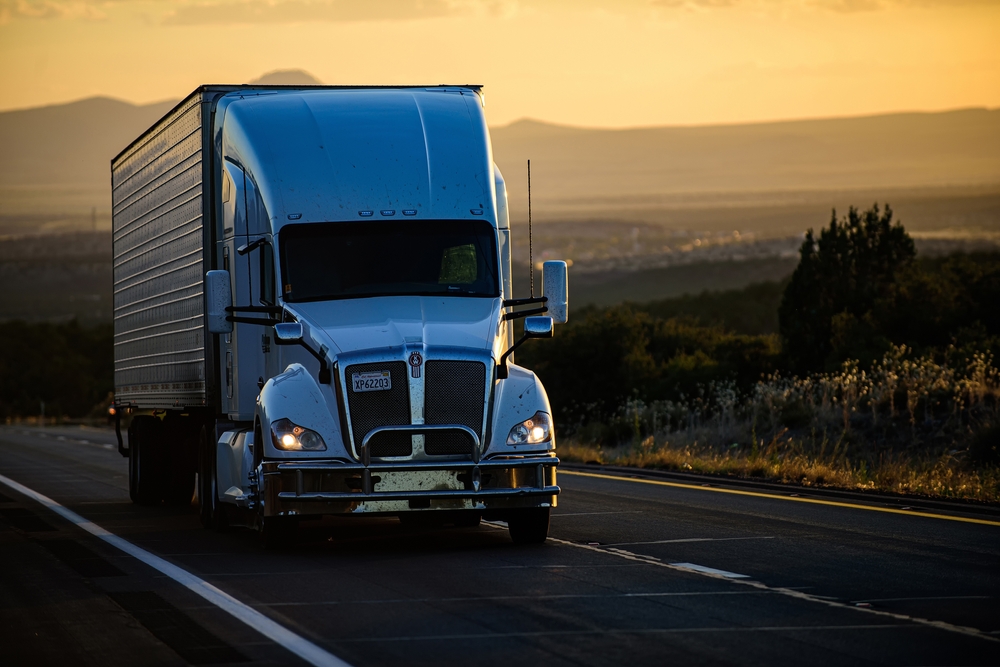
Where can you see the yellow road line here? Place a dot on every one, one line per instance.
(812, 501)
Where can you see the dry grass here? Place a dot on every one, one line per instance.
(910, 426)
(940, 478)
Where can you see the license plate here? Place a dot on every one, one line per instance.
(372, 381)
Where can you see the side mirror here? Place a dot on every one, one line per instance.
(287, 333)
(538, 327)
(555, 286)
(534, 327)
(218, 298)
(291, 333)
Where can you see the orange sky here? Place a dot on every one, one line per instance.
(582, 62)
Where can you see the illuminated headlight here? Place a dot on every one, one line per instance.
(286, 435)
(531, 431)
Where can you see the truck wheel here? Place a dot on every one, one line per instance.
(529, 526)
(213, 515)
(144, 469)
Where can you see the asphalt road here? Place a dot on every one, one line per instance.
(634, 573)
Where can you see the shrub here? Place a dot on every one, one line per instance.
(826, 313)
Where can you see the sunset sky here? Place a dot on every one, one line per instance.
(583, 62)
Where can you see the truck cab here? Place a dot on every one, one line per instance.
(360, 316)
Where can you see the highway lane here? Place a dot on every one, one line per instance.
(634, 573)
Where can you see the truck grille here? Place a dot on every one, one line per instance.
(371, 409)
(454, 393)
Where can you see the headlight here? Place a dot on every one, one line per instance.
(531, 431)
(286, 435)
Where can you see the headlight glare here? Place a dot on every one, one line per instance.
(532, 431)
(293, 438)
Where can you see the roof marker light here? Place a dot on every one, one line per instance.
(409, 211)
(387, 212)
(294, 216)
(366, 214)
(476, 211)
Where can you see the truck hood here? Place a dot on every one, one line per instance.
(351, 325)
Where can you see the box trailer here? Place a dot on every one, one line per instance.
(314, 314)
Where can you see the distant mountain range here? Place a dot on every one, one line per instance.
(57, 158)
(70, 144)
(905, 150)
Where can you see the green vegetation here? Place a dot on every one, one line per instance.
(751, 310)
(67, 366)
(883, 376)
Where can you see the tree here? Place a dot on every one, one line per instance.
(827, 312)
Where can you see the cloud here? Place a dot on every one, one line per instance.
(234, 12)
(201, 12)
(51, 9)
(290, 11)
(850, 6)
(708, 4)
(843, 6)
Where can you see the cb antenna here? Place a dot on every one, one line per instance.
(531, 260)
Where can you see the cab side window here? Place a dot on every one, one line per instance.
(267, 274)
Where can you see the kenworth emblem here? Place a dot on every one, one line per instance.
(415, 360)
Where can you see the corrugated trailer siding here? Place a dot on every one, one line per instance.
(158, 211)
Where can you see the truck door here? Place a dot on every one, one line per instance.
(242, 360)
(262, 274)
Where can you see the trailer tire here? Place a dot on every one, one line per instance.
(145, 483)
(529, 526)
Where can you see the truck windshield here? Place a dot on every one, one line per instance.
(342, 260)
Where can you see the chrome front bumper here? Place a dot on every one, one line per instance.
(392, 487)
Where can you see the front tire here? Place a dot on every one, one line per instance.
(529, 526)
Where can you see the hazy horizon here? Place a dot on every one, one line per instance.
(529, 119)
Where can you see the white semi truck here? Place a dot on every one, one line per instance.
(314, 316)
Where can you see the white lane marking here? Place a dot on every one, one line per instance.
(690, 539)
(799, 595)
(710, 570)
(628, 631)
(942, 597)
(502, 598)
(553, 515)
(280, 635)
